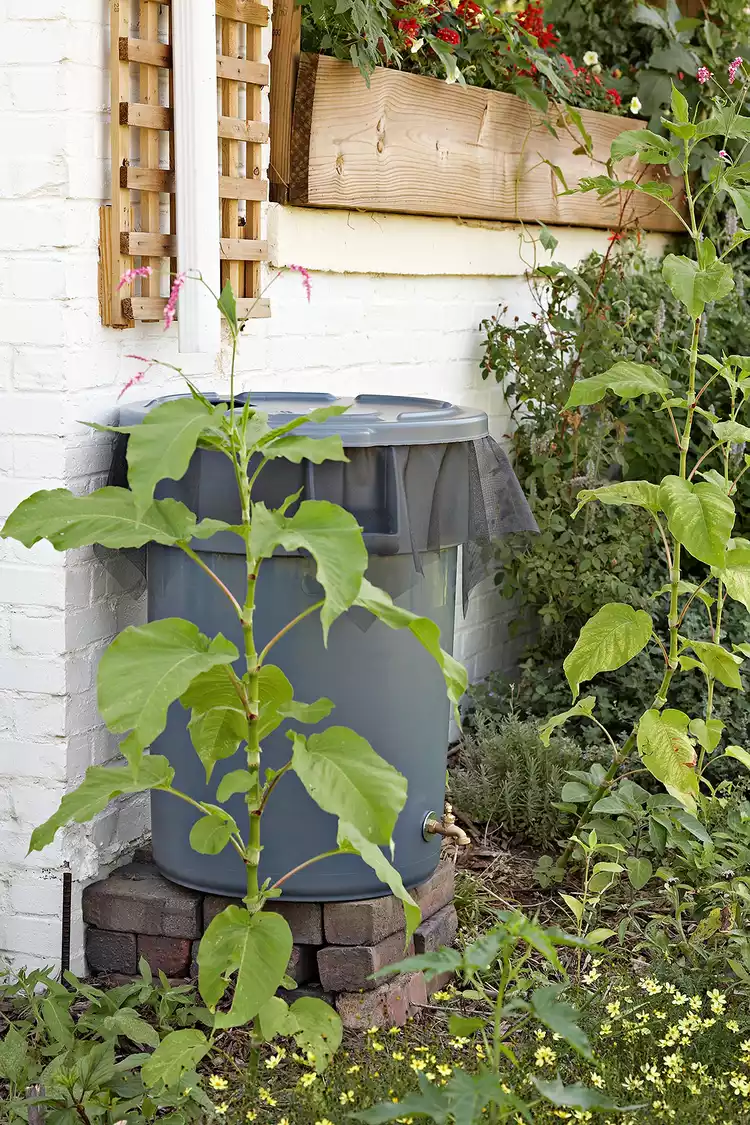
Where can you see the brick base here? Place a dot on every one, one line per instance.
(136, 912)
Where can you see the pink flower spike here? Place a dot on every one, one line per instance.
(724, 155)
(138, 378)
(306, 282)
(171, 305)
(140, 358)
(130, 275)
(734, 66)
(704, 75)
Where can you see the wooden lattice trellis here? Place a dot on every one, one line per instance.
(139, 227)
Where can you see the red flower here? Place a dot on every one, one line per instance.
(469, 11)
(614, 96)
(531, 19)
(448, 35)
(410, 30)
(571, 64)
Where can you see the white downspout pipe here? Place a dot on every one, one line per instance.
(196, 170)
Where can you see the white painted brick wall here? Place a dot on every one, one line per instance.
(376, 333)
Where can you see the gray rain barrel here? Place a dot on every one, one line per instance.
(408, 482)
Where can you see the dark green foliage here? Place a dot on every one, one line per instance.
(506, 778)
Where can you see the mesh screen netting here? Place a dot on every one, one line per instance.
(408, 499)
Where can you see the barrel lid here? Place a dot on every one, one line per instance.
(370, 420)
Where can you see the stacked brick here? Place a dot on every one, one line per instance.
(136, 913)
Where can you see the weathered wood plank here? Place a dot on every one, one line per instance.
(145, 116)
(142, 51)
(152, 308)
(246, 11)
(148, 27)
(237, 187)
(285, 52)
(119, 220)
(150, 245)
(244, 249)
(253, 308)
(421, 146)
(147, 179)
(230, 157)
(242, 70)
(233, 128)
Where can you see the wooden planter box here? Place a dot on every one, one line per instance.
(418, 145)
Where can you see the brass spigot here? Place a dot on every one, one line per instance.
(445, 827)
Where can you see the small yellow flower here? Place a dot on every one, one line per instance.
(284, 1121)
(376, 1046)
(250, 1115)
(398, 1056)
(266, 1096)
(592, 975)
(373, 1030)
(732, 1025)
(417, 1065)
(354, 1069)
(651, 986)
(544, 1056)
(613, 1009)
(274, 1060)
(307, 1079)
(444, 1070)
(324, 1121)
(717, 1000)
(597, 1080)
(441, 994)
(217, 1083)
(458, 1043)
(221, 1109)
(394, 1030)
(346, 1097)
(605, 1029)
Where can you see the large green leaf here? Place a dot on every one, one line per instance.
(381, 605)
(212, 832)
(668, 754)
(351, 840)
(695, 287)
(13, 1055)
(609, 639)
(560, 1017)
(148, 667)
(107, 516)
(635, 493)
(700, 516)
(345, 777)
(731, 431)
(218, 723)
(625, 378)
(256, 947)
(318, 1029)
(642, 142)
(736, 575)
(274, 1019)
(101, 785)
(179, 1051)
(161, 446)
(277, 702)
(577, 1096)
(721, 664)
(584, 706)
(331, 535)
(301, 447)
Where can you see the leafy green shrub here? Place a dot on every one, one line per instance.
(505, 777)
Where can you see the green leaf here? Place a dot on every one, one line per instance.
(643, 143)
(693, 286)
(301, 447)
(58, 1021)
(107, 516)
(576, 1096)
(179, 1051)
(635, 493)
(739, 755)
(680, 107)
(574, 905)
(319, 1029)
(331, 535)
(228, 307)
(625, 378)
(349, 839)
(275, 1019)
(736, 575)
(584, 706)
(148, 667)
(707, 733)
(700, 516)
(218, 723)
(162, 445)
(740, 197)
(13, 1055)
(575, 793)
(101, 785)
(277, 703)
(674, 58)
(731, 431)
(599, 936)
(669, 754)
(722, 665)
(380, 605)
(127, 1023)
(547, 238)
(431, 1103)
(238, 781)
(639, 871)
(431, 964)
(609, 639)
(256, 947)
(211, 834)
(465, 1025)
(560, 1017)
(345, 777)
